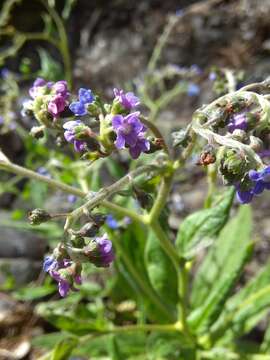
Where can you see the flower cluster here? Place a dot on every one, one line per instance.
(67, 272)
(49, 100)
(95, 129)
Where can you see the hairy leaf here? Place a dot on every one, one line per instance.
(221, 269)
(245, 309)
(199, 228)
(161, 272)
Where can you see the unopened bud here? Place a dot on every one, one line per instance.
(37, 132)
(255, 143)
(88, 230)
(38, 216)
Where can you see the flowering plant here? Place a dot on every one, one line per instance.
(232, 135)
(167, 294)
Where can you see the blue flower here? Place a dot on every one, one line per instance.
(112, 222)
(260, 182)
(79, 108)
(193, 89)
(49, 264)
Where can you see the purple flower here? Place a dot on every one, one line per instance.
(49, 264)
(238, 121)
(79, 108)
(60, 87)
(127, 100)
(64, 272)
(33, 91)
(56, 105)
(112, 222)
(193, 89)
(71, 198)
(70, 134)
(260, 182)
(105, 250)
(130, 132)
(63, 287)
(142, 145)
(244, 196)
(212, 76)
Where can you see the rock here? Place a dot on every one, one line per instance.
(18, 244)
(22, 270)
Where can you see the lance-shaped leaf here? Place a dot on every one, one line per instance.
(245, 309)
(64, 348)
(161, 272)
(199, 229)
(221, 269)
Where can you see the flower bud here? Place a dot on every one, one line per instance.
(37, 132)
(255, 143)
(144, 199)
(90, 229)
(38, 216)
(100, 251)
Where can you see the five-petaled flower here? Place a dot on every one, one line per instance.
(86, 97)
(127, 100)
(130, 133)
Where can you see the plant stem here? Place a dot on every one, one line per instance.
(106, 192)
(8, 166)
(63, 43)
(156, 132)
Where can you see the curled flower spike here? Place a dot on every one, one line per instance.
(130, 132)
(238, 121)
(127, 100)
(79, 108)
(70, 135)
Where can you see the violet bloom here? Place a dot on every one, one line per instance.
(60, 87)
(86, 97)
(127, 100)
(238, 121)
(70, 134)
(142, 145)
(56, 105)
(244, 196)
(130, 132)
(33, 91)
(261, 180)
(49, 264)
(105, 251)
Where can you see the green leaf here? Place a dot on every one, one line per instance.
(245, 309)
(199, 228)
(64, 349)
(221, 269)
(161, 272)
(266, 341)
